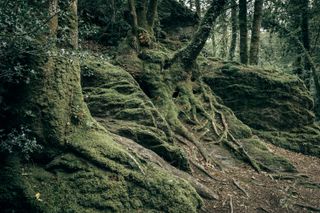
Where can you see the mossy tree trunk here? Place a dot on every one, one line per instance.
(56, 93)
(255, 33)
(143, 14)
(243, 31)
(189, 54)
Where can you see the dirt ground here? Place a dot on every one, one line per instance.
(241, 189)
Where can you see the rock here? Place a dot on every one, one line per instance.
(276, 105)
(263, 99)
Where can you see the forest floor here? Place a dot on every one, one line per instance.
(241, 189)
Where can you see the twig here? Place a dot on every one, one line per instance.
(231, 205)
(237, 184)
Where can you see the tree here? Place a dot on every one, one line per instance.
(255, 36)
(189, 54)
(234, 30)
(198, 7)
(305, 37)
(243, 31)
(143, 14)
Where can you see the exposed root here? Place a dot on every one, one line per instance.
(240, 150)
(231, 205)
(136, 163)
(237, 184)
(308, 207)
(150, 156)
(203, 170)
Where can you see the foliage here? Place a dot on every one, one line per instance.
(18, 142)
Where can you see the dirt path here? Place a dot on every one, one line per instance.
(242, 189)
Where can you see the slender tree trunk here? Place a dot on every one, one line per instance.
(190, 53)
(133, 16)
(255, 34)
(243, 31)
(198, 8)
(141, 10)
(305, 38)
(152, 12)
(213, 41)
(191, 4)
(224, 34)
(234, 30)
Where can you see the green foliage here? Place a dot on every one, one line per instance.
(21, 23)
(18, 142)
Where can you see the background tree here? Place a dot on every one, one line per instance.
(234, 29)
(243, 31)
(255, 32)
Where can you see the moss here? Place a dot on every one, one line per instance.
(116, 99)
(303, 140)
(262, 99)
(276, 105)
(99, 176)
(265, 158)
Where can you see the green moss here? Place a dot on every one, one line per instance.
(95, 174)
(116, 99)
(303, 140)
(262, 99)
(265, 158)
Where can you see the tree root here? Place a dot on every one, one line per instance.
(308, 207)
(237, 184)
(203, 170)
(231, 205)
(150, 156)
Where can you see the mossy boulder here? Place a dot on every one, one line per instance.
(276, 105)
(262, 99)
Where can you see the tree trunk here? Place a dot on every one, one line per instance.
(213, 42)
(134, 17)
(152, 11)
(305, 38)
(255, 36)
(57, 92)
(189, 54)
(198, 8)
(234, 30)
(243, 31)
(224, 34)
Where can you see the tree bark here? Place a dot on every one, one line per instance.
(243, 31)
(224, 34)
(198, 8)
(234, 30)
(255, 35)
(189, 54)
(152, 11)
(305, 38)
(133, 18)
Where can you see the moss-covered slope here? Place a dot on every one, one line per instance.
(192, 111)
(276, 105)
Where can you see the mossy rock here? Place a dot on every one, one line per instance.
(276, 105)
(117, 101)
(305, 140)
(262, 99)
